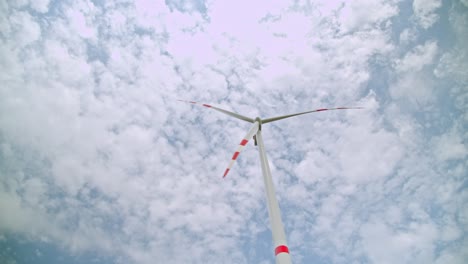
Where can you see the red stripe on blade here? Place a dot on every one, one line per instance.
(225, 173)
(234, 157)
(281, 249)
(322, 109)
(244, 142)
(206, 105)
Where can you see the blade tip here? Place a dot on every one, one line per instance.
(186, 101)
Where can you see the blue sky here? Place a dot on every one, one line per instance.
(99, 162)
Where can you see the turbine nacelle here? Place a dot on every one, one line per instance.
(259, 120)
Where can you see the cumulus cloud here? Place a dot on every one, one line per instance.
(419, 57)
(362, 14)
(96, 154)
(450, 146)
(414, 82)
(425, 12)
(398, 245)
(408, 35)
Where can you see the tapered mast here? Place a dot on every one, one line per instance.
(279, 238)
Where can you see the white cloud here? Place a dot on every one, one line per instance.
(25, 29)
(17, 4)
(367, 14)
(16, 218)
(413, 82)
(425, 12)
(450, 146)
(418, 58)
(414, 88)
(453, 64)
(384, 245)
(82, 25)
(101, 156)
(408, 36)
(41, 6)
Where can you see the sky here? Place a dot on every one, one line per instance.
(99, 162)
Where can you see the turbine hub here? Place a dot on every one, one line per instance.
(257, 119)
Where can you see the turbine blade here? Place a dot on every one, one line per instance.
(242, 144)
(268, 120)
(238, 116)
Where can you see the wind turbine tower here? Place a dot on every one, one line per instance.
(280, 244)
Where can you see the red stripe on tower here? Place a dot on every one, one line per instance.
(281, 249)
(234, 157)
(244, 142)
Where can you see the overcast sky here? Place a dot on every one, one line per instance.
(99, 162)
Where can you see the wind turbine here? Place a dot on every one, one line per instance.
(279, 238)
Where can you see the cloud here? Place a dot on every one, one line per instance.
(18, 218)
(407, 36)
(421, 56)
(450, 146)
(413, 82)
(25, 29)
(367, 14)
(41, 6)
(399, 245)
(425, 12)
(452, 63)
(98, 156)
